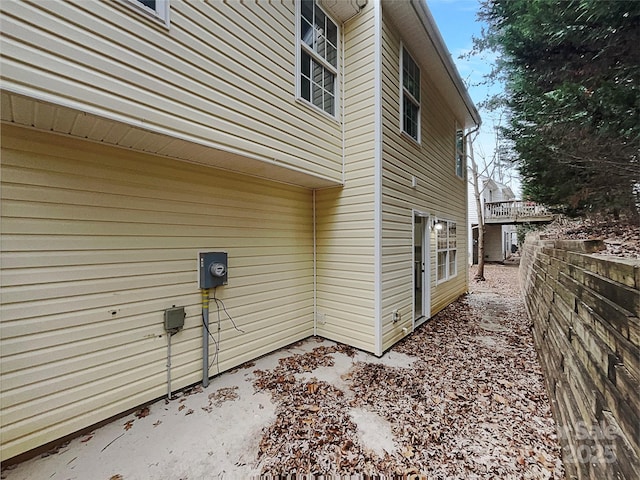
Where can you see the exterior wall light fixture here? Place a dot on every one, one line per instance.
(437, 226)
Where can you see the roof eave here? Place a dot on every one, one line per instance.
(433, 36)
(420, 6)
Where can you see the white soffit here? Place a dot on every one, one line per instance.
(52, 116)
(342, 10)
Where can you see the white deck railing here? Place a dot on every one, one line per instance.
(516, 210)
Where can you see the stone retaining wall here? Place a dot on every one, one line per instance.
(585, 311)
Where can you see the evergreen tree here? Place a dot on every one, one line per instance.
(572, 74)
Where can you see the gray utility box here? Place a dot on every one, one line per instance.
(212, 269)
(174, 318)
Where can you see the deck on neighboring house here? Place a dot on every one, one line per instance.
(516, 211)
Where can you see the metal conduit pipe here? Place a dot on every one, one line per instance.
(205, 337)
(169, 335)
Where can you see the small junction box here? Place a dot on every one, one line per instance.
(174, 319)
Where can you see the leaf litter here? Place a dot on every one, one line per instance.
(473, 404)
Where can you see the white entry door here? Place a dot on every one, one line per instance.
(421, 267)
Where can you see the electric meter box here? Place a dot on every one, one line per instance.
(212, 269)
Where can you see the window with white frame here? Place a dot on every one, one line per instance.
(447, 250)
(156, 8)
(318, 57)
(410, 104)
(460, 154)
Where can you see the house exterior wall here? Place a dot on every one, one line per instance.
(498, 240)
(212, 77)
(493, 243)
(439, 192)
(97, 241)
(472, 209)
(345, 215)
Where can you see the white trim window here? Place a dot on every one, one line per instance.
(317, 57)
(447, 250)
(158, 9)
(461, 166)
(410, 97)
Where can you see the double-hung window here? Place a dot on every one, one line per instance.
(155, 8)
(318, 57)
(460, 155)
(410, 106)
(447, 251)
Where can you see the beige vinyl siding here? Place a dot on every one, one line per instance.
(97, 241)
(439, 192)
(223, 74)
(345, 222)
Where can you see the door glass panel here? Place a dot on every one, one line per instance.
(417, 266)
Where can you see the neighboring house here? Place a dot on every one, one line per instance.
(498, 239)
(314, 143)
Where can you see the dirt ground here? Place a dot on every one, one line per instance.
(621, 237)
(460, 398)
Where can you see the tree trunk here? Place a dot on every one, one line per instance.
(480, 273)
(476, 192)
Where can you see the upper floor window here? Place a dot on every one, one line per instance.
(318, 57)
(410, 107)
(156, 8)
(447, 250)
(460, 154)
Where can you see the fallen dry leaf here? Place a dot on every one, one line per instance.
(223, 395)
(504, 382)
(128, 425)
(500, 399)
(413, 474)
(446, 412)
(143, 412)
(621, 238)
(407, 452)
(348, 445)
(87, 438)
